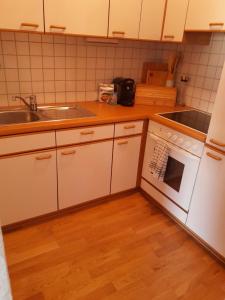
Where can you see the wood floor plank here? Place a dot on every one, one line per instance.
(124, 249)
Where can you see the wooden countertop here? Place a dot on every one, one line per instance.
(105, 114)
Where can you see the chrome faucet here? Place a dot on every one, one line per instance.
(32, 105)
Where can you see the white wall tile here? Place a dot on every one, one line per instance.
(10, 61)
(48, 62)
(23, 61)
(36, 62)
(38, 86)
(37, 74)
(11, 74)
(22, 48)
(24, 75)
(9, 47)
(35, 49)
(49, 86)
(26, 87)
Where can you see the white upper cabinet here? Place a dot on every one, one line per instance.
(206, 15)
(152, 19)
(176, 13)
(22, 15)
(85, 17)
(124, 18)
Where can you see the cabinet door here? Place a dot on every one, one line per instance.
(23, 14)
(207, 211)
(125, 164)
(216, 134)
(174, 30)
(205, 15)
(84, 173)
(152, 19)
(85, 17)
(28, 186)
(124, 18)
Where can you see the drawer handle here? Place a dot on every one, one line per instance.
(169, 37)
(87, 132)
(118, 33)
(57, 27)
(129, 126)
(122, 143)
(216, 24)
(68, 152)
(213, 156)
(218, 143)
(42, 157)
(29, 25)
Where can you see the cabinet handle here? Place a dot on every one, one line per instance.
(42, 157)
(169, 36)
(218, 143)
(216, 24)
(122, 143)
(68, 152)
(57, 27)
(118, 33)
(129, 126)
(29, 25)
(87, 132)
(213, 156)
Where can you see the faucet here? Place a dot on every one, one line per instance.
(32, 105)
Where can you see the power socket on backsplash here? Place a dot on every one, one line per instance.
(184, 78)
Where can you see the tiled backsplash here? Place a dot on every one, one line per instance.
(67, 69)
(64, 68)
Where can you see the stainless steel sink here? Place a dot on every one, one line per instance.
(64, 112)
(14, 117)
(44, 113)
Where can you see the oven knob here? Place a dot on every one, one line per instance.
(174, 138)
(180, 141)
(187, 144)
(169, 134)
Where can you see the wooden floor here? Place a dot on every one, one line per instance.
(125, 249)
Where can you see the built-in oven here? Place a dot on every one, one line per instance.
(180, 175)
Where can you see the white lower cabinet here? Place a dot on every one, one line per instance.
(207, 211)
(84, 173)
(28, 186)
(125, 163)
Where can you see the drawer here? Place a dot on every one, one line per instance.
(128, 128)
(26, 142)
(83, 135)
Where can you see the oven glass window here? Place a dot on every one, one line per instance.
(174, 173)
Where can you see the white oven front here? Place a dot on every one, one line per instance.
(180, 175)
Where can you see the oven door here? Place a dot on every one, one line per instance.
(180, 176)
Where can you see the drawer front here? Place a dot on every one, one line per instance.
(83, 135)
(29, 142)
(128, 128)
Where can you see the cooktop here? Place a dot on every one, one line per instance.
(191, 118)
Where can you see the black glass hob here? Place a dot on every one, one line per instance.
(192, 118)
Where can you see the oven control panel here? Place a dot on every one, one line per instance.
(179, 139)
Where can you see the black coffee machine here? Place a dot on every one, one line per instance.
(125, 90)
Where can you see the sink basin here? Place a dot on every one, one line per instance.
(64, 112)
(14, 117)
(44, 113)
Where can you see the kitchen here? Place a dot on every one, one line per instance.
(105, 200)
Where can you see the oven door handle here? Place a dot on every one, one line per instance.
(172, 146)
